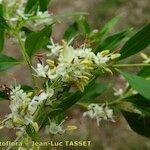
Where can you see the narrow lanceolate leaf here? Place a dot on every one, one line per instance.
(71, 31)
(112, 41)
(44, 4)
(93, 92)
(109, 26)
(139, 120)
(84, 25)
(7, 62)
(138, 83)
(31, 6)
(1, 30)
(136, 43)
(37, 40)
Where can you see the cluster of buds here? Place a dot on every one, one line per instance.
(73, 65)
(99, 113)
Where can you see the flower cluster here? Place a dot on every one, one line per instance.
(23, 107)
(73, 65)
(99, 113)
(15, 10)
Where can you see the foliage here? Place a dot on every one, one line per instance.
(69, 71)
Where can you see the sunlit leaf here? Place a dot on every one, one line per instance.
(138, 83)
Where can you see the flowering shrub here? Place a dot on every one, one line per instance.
(68, 71)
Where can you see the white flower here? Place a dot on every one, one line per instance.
(54, 128)
(67, 54)
(36, 101)
(44, 19)
(52, 73)
(118, 92)
(18, 105)
(99, 113)
(55, 49)
(41, 70)
(103, 57)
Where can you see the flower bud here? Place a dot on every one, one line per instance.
(71, 127)
(144, 56)
(114, 56)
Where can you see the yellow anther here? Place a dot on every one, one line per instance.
(71, 127)
(50, 62)
(30, 94)
(104, 53)
(80, 86)
(84, 77)
(86, 61)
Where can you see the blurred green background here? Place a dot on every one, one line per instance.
(116, 136)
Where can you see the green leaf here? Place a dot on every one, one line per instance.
(7, 62)
(144, 72)
(3, 96)
(2, 31)
(26, 30)
(27, 88)
(112, 41)
(139, 122)
(140, 103)
(138, 83)
(83, 24)
(2, 34)
(44, 4)
(31, 6)
(71, 31)
(37, 40)
(109, 26)
(136, 43)
(93, 91)
(31, 132)
(1, 10)
(3, 23)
